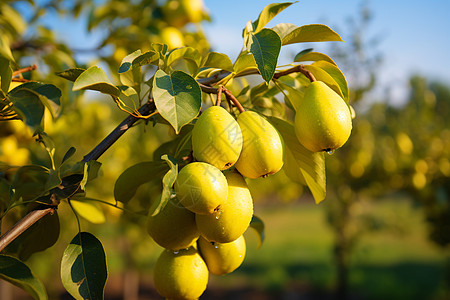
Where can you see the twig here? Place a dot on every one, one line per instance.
(219, 95)
(296, 69)
(24, 70)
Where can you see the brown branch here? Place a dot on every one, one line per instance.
(219, 95)
(23, 70)
(296, 69)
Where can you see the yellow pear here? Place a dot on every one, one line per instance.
(201, 187)
(262, 149)
(180, 274)
(172, 37)
(173, 227)
(222, 259)
(217, 138)
(180, 12)
(232, 218)
(323, 120)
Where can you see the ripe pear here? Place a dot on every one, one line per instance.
(232, 218)
(323, 120)
(222, 259)
(217, 138)
(201, 187)
(173, 227)
(181, 274)
(263, 148)
(180, 12)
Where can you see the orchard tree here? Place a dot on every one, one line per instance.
(224, 129)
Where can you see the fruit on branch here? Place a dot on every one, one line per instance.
(174, 227)
(323, 120)
(201, 187)
(222, 259)
(172, 37)
(262, 149)
(233, 217)
(180, 274)
(180, 12)
(217, 138)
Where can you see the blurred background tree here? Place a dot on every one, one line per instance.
(396, 155)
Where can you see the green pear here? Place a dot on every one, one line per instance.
(222, 259)
(232, 218)
(262, 149)
(323, 120)
(173, 227)
(217, 138)
(201, 187)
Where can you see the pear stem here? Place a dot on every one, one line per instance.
(228, 94)
(219, 95)
(233, 99)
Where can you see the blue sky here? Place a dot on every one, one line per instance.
(415, 38)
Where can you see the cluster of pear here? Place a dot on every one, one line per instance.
(202, 227)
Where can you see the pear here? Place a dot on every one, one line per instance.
(174, 227)
(323, 120)
(201, 187)
(232, 218)
(222, 259)
(217, 138)
(262, 149)
(180, 274)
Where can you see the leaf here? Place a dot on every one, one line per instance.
(310, 164)
(95, 79)
(168, 181)
(268, 13)
(149, 57)
(336, 74)
(322, 75)
(83, 267)
(5, 74)
(218, 61)
(303, 52)
(265, 47)
(18, 273)
(313, 56)
(135, 176)
(40, 236)
(5, 50)
(89, 209)
(187, 53)
(290, 33)
(91, 169)
(29, 182)
(178, 97)
(29, 107)
(244, 63)
(258, 225)
(129, 97)
(71, 74)
(293, 95)
(127, 61)
(69, 154)
(48, 94)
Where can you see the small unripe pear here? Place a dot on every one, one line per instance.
(323, 120)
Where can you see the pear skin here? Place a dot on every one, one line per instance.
(323, 120)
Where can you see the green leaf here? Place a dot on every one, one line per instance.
(244, 63)
(5, 50)
(95, 79)
(129, 96)
(29, 182)
(168, 181)
(18, 273)
(187, 53)
(89, 209)
(71, 74)
(310, 164)
(91, 169)
(313, 56)
(83, 267)
(150, 57)
(303, 52)
(178, 97)
(135, 176)
(322, 75)
(268, 13)
(5, 74)
(290, 33)
(218, 61)
(40, 236)
(293, 95)
(127, 61)
(48, 94)
(258, 225)
(29, 107)
(69, 154)
(336, 74)
(265, 47)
